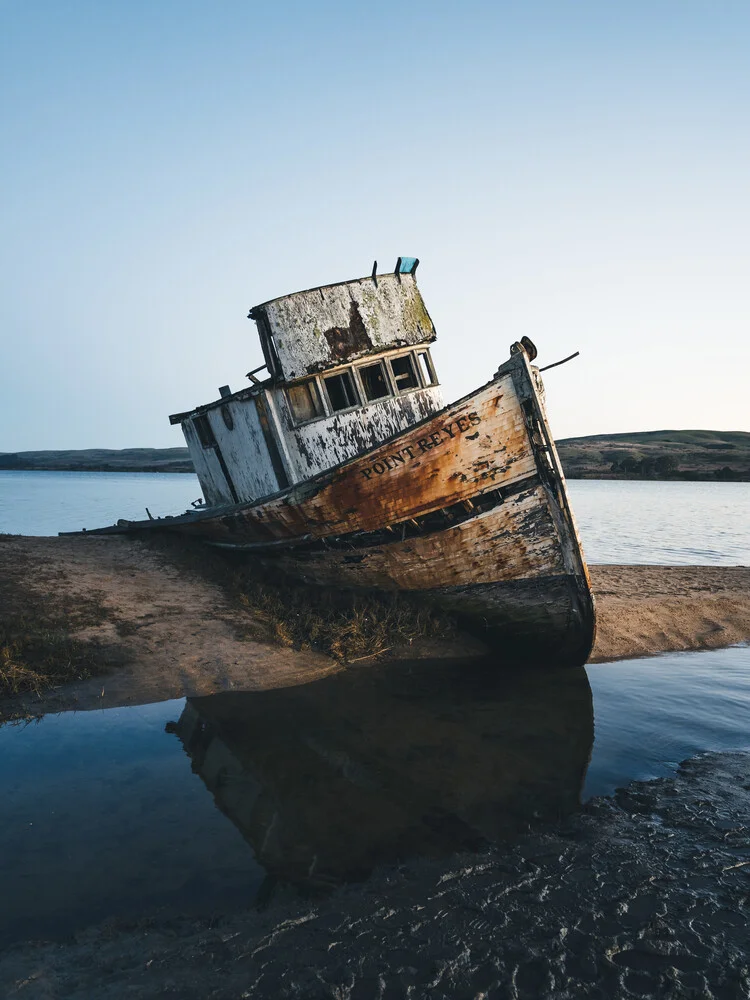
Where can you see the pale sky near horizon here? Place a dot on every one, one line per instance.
(575, 172)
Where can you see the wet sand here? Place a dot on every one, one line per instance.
(642, 895)
(642, 610)
(169, 630)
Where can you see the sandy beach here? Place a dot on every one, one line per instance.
(163, 629)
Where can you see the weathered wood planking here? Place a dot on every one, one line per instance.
(477, 445)
(305, 451)
(315, 447)
(513, 541)
(237, 429)
(315, 330)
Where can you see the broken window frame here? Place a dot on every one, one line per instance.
(387, 381)
(415, 372)
(321, 407)
(354, 383)
(425, 353)
(355, 374)
(204, 430)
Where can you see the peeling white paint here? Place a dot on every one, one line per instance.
(256, 447)
(324, 327)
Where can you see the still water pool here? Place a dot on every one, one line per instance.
(226, 801)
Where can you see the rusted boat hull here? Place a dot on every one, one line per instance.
(481, 571)
(467, 509)
(546, 620)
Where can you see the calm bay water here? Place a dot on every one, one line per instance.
(45, 503)
(668, 524)
(671, 523)
(219, 802)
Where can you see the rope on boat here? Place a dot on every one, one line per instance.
(569, 358)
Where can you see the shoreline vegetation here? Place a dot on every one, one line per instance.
(98, 460)
(693, 455)
(696, 456)
(65, 618)
(98, 621)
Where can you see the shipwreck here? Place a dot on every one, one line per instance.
(344, 466)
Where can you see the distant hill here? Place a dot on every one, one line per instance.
(100, 460)
(701, 455)
(695, 455)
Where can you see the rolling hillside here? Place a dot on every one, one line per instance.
(100, 460)
(697, 455)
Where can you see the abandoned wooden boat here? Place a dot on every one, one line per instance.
(345, 467)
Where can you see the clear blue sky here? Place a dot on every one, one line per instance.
(575, 172)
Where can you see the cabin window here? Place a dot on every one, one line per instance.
(425, 368)
(374, 381)
(342, 393)
(305, 402)
(204, 431)
(404, 373)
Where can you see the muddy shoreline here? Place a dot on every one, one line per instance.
(165, 628)
(646, 893)
(643, 894)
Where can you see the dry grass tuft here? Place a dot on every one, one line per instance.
(37, 617)
(34, 657)
(343, 624)
(346, 625)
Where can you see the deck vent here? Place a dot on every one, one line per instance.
(224, 391)
(407, 265)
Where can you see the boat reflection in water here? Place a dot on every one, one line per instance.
(371, 765)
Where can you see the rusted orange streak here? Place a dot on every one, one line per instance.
(513, 541)
(478, 445)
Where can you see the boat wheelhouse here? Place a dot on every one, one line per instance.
(348, 366)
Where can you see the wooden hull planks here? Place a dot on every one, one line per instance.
(478, 445)
(502, 573)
